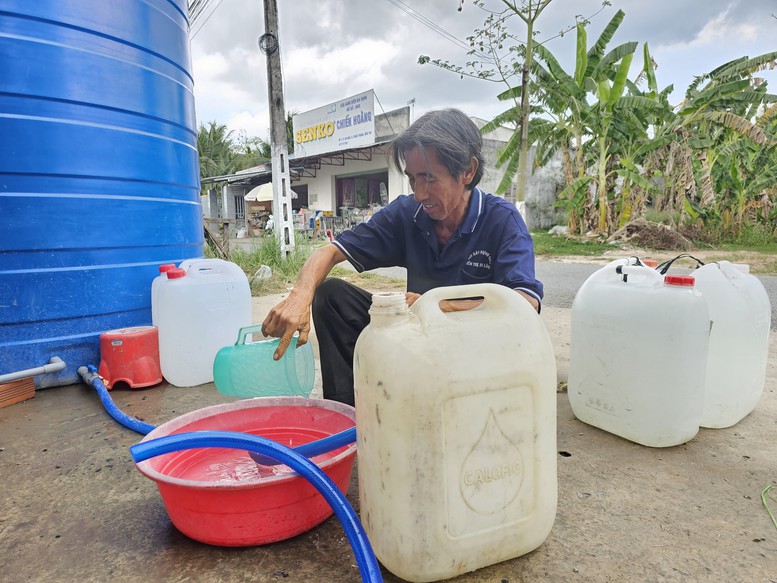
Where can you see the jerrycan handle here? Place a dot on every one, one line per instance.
(651, 275)
(241, 336)
(206, 268)
(619, 271)
(497, 299)
(664, 267)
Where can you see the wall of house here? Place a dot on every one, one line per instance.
(492, 175)
(321, 189)
(542, 187)
(210, 204)
(228, 193)
(392, 123)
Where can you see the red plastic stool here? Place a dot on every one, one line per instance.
(130, 355)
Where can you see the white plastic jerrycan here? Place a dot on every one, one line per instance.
(200, 309)
(739, 341)
(456, 418)
(638, 354)
(155, 283)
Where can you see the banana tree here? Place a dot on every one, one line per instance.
(746, 172)
(610, 95)
(565, 123)
(639, 133)
(719, 107)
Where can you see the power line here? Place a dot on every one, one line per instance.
(196, 10)
(435, 27)
(207, 2)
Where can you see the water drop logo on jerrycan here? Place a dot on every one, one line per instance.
(456, 417)
(638, 354)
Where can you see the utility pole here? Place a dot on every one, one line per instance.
(281, 181)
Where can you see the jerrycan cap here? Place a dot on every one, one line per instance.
(683, 280)
(166, 267)
(176, 273)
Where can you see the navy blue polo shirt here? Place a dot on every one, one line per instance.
(492, 245)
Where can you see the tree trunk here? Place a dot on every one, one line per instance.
(602, 226)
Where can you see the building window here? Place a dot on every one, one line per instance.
(240, 207)
(362, 191)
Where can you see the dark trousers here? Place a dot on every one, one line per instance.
(340, 313)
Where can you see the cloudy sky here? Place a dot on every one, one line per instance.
(332, 49)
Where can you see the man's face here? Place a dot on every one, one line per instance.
(442, 195)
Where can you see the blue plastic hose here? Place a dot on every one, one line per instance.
(90, 376)
(312, 449)
(365, 558)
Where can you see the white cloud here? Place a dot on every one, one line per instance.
(254, 124)
(722, 29)
(363, 59)
(335, 48)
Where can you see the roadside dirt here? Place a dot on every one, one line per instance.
(647, 240)
(760, 263)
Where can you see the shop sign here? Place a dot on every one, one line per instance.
(344, 124)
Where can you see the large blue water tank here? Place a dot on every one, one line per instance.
(99, 180)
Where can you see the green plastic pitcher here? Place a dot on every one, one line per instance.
(247, 369)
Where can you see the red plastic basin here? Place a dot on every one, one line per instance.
(222, 497)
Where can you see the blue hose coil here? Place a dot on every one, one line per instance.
(365, 557)
(263, 451)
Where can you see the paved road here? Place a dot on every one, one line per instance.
(562, 280)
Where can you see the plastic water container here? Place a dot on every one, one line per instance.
(739, 341)
(200, 310)
(247, 369)
(456, 417)
(155, 283)
(638, 354)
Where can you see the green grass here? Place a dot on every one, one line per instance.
(546, 244)
(757, 240)
(285, 270)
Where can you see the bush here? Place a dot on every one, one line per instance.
(267, 252)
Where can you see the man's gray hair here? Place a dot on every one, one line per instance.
(454, 135)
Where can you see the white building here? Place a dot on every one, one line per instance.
(339, 176)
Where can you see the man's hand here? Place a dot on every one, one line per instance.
(293, 314)
(289, 316)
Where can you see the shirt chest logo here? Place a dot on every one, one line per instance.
(478, 264)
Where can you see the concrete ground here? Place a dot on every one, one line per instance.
(75, 508)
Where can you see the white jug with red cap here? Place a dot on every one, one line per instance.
(199, 308)
(638, 354)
